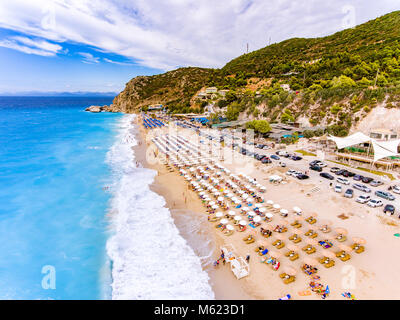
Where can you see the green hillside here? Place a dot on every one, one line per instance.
(334, 80)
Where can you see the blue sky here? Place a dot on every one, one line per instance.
(99, 45)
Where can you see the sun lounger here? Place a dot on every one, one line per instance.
(289, 280)
(280, 246)
(345, 258)
(294, 257)
(228, 232)
(259, 249)
(358, 248)
(311, 220)
(250, 241)
(310, 233)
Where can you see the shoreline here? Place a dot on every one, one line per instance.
(222, 281)
(364, 279)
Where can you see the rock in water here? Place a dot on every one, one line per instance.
(94, 109)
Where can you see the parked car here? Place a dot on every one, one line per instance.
(376, 183)
(302, 176)
(266, 147)
(282, 164)
(314, 162)
(266, 160)
(343, 180)
(291, 173)
(316, 168)
(347, 174)
(385, 195)
(358, 177)
(349, 193)
(338, 188)
(363, 198)
(388, 209)
(321, 164)
(366, 179)
(334, 169)
(374, 203)
(326, 175)
(361, 187)
(275, 157)
(339, 172)
(396, 189)
(296, 158)
(260, 156)
(281, 153)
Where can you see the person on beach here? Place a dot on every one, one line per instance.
(248, 258)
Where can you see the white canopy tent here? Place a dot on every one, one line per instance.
(382, 149)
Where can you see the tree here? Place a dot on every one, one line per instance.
(342, 82)
(262, 126)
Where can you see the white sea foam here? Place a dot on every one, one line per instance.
(150, 259)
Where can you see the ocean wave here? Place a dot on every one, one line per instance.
(150, 259)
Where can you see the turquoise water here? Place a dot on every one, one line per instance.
(52, 200)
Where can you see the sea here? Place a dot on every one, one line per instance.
(77, 217)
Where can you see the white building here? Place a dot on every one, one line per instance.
(211, 90)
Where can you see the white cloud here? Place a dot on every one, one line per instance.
(169, 33)
(118, 63)
(31, 46)
(89, 58)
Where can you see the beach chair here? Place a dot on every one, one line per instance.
(250, 241)
(280, 246)
(311, 220)
(311, 234)
(345, 258)
(341, 239)
(358, 248)
(309, 249)
(259, 249)
(283, 275)
(330, 264)
(228, 232)
(294, 257)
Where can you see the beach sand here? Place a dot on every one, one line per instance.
(372, 274)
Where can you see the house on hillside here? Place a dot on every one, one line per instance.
(211, 90)
(155, 107)
(383, 134)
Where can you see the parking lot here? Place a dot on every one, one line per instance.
(302, 165)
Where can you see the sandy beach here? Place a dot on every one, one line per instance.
(371, 274)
